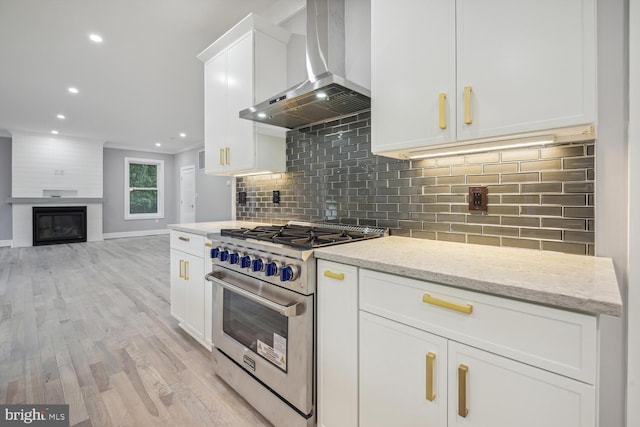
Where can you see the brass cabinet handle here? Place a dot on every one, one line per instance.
(184, 239)
(209, 245)
(442, 98)
(463, 308)
(186, 270)
(221, 157)
(180, 271)
(467, 105)
(227, 155)
(337, 276)
(431, 358)
(462, 390)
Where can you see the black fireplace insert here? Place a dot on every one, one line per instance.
(59, 224)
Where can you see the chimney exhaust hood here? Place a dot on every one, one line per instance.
(326, 93)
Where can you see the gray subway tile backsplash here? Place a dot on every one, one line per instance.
(539, 198)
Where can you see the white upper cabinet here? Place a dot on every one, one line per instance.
(243, 67)
(447, 71)
(413, 62)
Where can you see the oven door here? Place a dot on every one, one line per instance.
(268, 331)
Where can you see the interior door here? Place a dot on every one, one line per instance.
(188, 194)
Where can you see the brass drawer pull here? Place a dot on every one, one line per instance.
(462, 308)
(184, 239)
(331, 274)
(462, 390)
(442, 119)
(430, 395)
(208, 244)
(186, 270)
(180, 270)
(467, 105)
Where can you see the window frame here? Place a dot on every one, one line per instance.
(159, 188)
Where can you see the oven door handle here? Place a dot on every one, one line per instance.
(285, 310)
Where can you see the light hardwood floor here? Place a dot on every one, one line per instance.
(88, 324)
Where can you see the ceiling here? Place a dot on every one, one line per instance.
(143, 85)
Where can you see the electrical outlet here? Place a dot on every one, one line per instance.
(478, 199)
(242, 198)
(276, 197)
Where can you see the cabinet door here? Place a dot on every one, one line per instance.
(178, 285)
(500, 392)
(241, 138)
(531, 65)
(399, 386)
(195, 284)
(337, 292)
(215, 113)
(413, 61)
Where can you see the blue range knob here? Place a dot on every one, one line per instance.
(257, 265)
(215, 252)
(271, 269)
(224, 255)
(288, 273)
(234, 257)
(245, 261)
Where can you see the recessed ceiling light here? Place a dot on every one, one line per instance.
(158, 144)
(321, 95)
(262, 115)
(73, 90)
(61, 116)
(183, 135)
(95, 38)
(55, 132)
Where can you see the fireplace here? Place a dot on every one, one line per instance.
(59, 224)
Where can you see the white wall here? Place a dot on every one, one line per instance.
(49, 162)
(611, 198)
(5, 191)
(633, 325)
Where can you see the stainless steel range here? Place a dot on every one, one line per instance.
(264, 284)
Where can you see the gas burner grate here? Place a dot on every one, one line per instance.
(305, 235)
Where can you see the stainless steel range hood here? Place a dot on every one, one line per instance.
(326, 93)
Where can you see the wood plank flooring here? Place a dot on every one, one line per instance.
(88, 324)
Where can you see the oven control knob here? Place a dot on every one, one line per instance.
(258, 264)
(234, 258)
(224, 255)
(245, 261)
(288, 273)
(271, 269)
(215, 252)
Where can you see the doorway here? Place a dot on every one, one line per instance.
(187, 194)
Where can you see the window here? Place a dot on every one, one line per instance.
(143, 188)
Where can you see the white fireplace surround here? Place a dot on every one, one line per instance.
(23, 218)
(49, 171)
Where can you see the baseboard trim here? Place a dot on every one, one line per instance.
(5, 243)
(140, 233)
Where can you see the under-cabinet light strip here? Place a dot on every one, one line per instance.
(525, 142)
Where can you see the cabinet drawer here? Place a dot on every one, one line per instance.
(553, 339)
(187, 242)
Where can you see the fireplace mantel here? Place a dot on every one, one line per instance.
(47, 200)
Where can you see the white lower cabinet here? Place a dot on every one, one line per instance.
(409, 377)
(403, 375)
(499, 392)
(437, 356)
(190, 293)
(337, 291)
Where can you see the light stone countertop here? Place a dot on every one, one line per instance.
(213, 227)
(580, 283)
